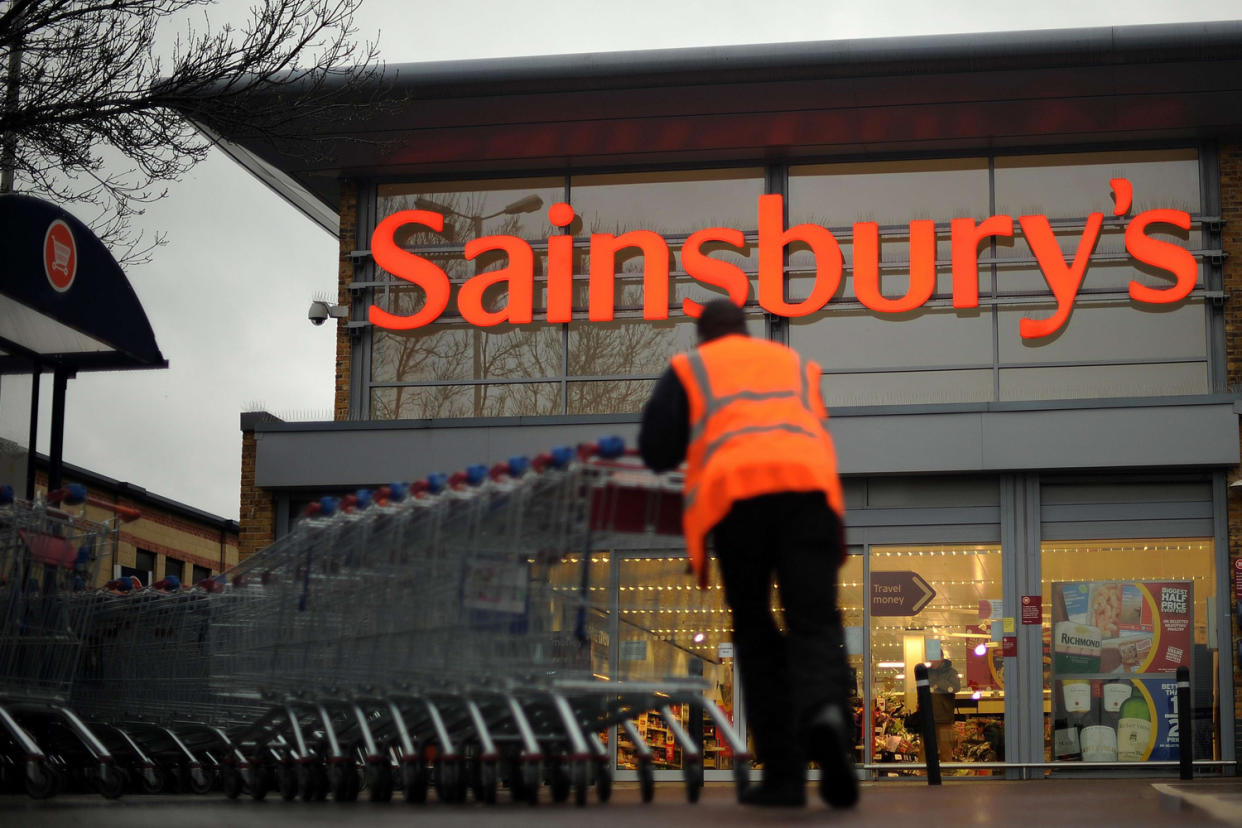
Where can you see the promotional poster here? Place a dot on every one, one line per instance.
(1115, 649)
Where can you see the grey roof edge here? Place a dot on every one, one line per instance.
(323, 214)
(253, 420)
(137, 493)
(1097, 44)
(978, 51)
(263, 422)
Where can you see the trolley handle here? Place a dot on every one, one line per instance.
(75, 494)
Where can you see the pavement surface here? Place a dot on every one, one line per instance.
(1059, 802)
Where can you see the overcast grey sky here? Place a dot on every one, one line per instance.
(227, 297)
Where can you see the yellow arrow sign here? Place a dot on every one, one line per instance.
(924, 599)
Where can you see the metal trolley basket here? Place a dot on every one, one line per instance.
(48, 556)
(440, 635)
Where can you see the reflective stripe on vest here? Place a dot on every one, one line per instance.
(713, 404)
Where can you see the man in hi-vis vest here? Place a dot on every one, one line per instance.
(761, 479)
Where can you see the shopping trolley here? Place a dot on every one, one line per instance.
(61, 255)
(48, 556)
(142, 685)
(445, 638)
(443, 635)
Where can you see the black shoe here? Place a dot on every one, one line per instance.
(828, 745)
(779, 795)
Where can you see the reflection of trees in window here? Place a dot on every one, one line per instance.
(610, 397)
(612, 349)
(438, 353)
(443, 353)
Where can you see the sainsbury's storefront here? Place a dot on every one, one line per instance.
(1010, 254)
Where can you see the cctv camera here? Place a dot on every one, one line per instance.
(318, 313)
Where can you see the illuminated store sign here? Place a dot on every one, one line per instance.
(1064, 277)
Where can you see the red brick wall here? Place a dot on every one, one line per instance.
(257, 516)
(1231, 241)
(344, 345)
(168, 533)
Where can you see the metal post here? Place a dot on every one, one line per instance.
(1185, 726)
(56, 451)
(695, 721)
(31, 450)
(927, 725)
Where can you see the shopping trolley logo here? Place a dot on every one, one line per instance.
(60, 256)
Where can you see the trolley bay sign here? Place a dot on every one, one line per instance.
(899, 593)
(1062, 269)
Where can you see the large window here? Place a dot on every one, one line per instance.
(1121, 617)
(1109, 346)
(938, 605)
(453, 369)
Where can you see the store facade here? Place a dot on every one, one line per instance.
(1009, 252)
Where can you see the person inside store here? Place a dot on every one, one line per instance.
(746, 416)
(943, 681)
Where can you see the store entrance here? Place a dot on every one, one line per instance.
(938, 605)
(666, 626)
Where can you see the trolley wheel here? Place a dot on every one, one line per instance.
(560, 780)
(321, 785)
(312, 782)
(153, 780)
(345, 782)
(512, 774)
(530, 780)
(603, 782)
(452, 783)
(694, 780)
(287, 782)
(380, 781)
(414, 781)
(262, 781)
(488, 779)
(232, 782)
(580, 773)
(741, 777)
(40, 781)
(110, 782)
(646, 780)
(200, 780)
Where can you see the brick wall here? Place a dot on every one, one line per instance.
(344, 345)
(257, 516)
(1231, 240)
(168, 534)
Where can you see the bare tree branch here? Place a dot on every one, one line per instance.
(92, 88)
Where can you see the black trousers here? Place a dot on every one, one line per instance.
(793, 538)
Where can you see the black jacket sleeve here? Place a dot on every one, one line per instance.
(665, 429)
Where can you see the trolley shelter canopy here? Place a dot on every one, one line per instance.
(65, 304)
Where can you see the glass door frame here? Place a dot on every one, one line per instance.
(933, 525)
(616, 558)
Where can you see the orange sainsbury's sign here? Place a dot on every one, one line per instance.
(1063, 275)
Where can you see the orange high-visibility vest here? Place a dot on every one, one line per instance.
(755, 428)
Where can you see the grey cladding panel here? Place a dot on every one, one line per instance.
(1149, 437)
(368, 456)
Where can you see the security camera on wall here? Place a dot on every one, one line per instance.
(321, 312)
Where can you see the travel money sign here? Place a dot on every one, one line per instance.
(1063, 275)
(900, 593)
